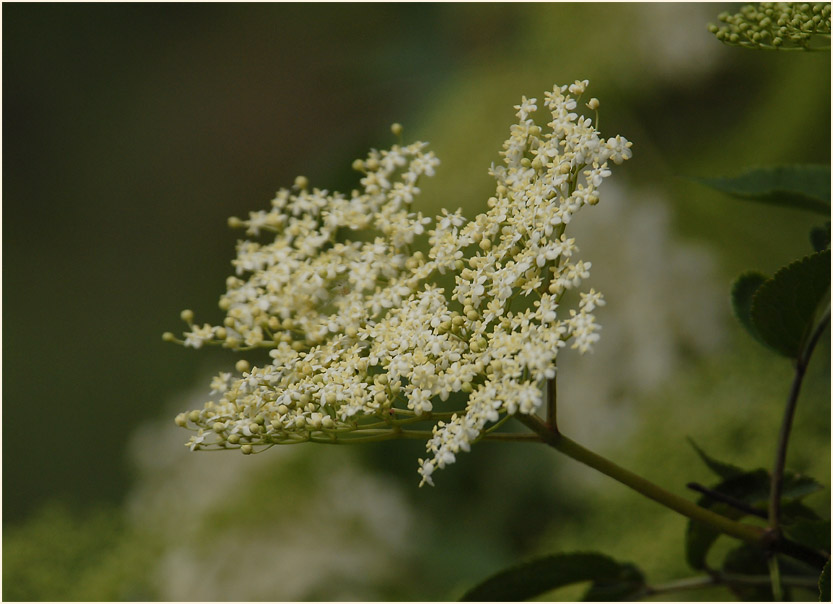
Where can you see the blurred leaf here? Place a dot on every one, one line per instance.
(541, 575)
(805, 187)
(626, 586)
(812, 533)
(751, 488)
(824, 584)
(724, 470)
(820, 237)
(748, 560)
(784, 307)
(743, 290)
(699, 538)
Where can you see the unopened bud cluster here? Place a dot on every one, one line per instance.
(774, 25)
(363, 341)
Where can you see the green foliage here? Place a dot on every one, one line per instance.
(750, 488)
(743, 290)
(809, 532)
(58, 555)
(781, 311)
(722, 469)
(824, 584)
(612, 580)
(803, 187)
(820, 237)
(784, 308)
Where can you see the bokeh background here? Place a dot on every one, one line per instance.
(132, 131)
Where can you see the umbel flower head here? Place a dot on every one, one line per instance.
(777, 25)
(365, 344)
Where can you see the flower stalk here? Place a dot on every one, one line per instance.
(570, 448)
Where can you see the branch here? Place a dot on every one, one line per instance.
(735, 503)
(689, 509)
(786, 425)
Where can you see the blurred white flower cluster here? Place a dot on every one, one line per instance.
(365, 343)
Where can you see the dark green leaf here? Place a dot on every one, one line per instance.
(541, 575)
(747, 559)
(805, 187)
(724, 470)
(751, 488)
(793, 511)
(812, 533)
(798, 486)
(743, 289)
(820, 237)
(784, 307)
(626, 586)
(824, 584)
(699, 538)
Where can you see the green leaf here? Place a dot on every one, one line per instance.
(699, 538)
(724, 470)
(625, 586)
(824, 584)
(804, 187)
(812, 533)
(784, 308)
(541, 575)
(743, 289)
(748, 560)
(751, 488)
(820, 237)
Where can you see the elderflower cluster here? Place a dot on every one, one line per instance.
(365, 344)
(773, 25)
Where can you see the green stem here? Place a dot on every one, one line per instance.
(719, 578)
(775, 578)
(381, 435)
(689, 509)
(552, 417)
(786, 425)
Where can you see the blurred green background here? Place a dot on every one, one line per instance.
(132, 131)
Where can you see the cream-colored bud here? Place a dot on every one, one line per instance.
(396, 128)
(242, 366)
(328, 422)
(301, 182)
(358, 165)
(187, 315)
(194, 416)
(485, 244)
(247, 449)
(233, 438)
(372, 164)
(235, 223)
(181, 420)
(351, 332)
(168, 337)
(218, 427)
(220, 333)
(593, 104)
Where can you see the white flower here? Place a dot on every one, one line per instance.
(359, 332)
